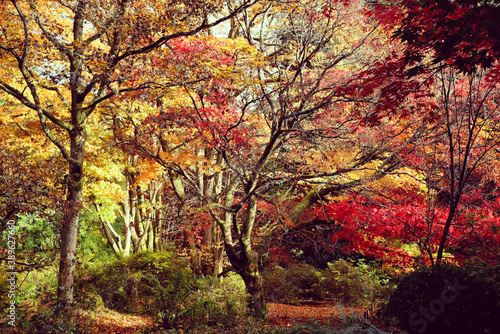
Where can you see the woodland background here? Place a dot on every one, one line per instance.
(200, 162)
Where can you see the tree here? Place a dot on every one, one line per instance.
(63, 59)
(451, 62)
(466, 128)
(177, 137)
(294, 130)
(448, 107)
(463, 33)
(455, 116)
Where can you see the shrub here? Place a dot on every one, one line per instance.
(168, 296)
(351, 285)
(291, 285)
(305, 277)
(222, 303)
(39, 283)
(49, 319)
(163, 286)
(149, 283)
(448, 299)
(89, 301)
(36, 242)
(276, 287)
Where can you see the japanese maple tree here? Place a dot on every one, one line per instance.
(462, 33)
(442, 82)
(290, 123)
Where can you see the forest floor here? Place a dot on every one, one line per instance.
(280, 316)
(325, 313)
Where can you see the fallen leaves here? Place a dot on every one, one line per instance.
(111, 322)
(284, 315)
(279, 315)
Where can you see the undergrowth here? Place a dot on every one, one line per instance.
(353, 285)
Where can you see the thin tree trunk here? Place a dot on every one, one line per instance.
(446, 230)
(110, 234)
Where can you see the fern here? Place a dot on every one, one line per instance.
(357, 322)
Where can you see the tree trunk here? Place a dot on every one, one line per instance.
(253, 283)
(69, 234)
(110, 234)
(246, 262)
(444, 236)
(218, 253)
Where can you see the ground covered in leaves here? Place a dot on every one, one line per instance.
(280, 316)
(284, 315)
(107, 321)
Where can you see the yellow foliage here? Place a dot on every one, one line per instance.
(104, 190)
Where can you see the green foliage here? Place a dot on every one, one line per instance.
(216, 302)
(353, 285)
(360, 285)
(291, 285)
(89, 301)
(448, 299)
(162, 285)
(146, 282)
(92, 245)
(50, 320)
(36, 231)
(169, 295)
(35, 237)
(38, 283)
(35, 292)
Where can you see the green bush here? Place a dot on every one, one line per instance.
(448, 299)
(360, 285)
(353, 285)
(39, 283)
(35, 235)
(10, 292)
(89, 301)
(305, 277)
(342, 281)
(163, 286)
(291, 285)
(150, 283)
(48, 319)
(169, 296)
(276, 287)
(214, 302)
